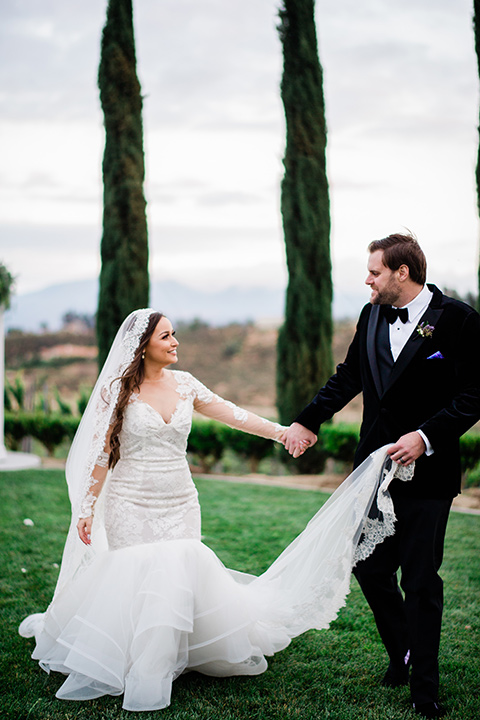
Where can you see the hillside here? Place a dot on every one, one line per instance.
(236, 361)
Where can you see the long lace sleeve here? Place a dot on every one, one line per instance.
(97, 480)
(99, 462)
(213, 406)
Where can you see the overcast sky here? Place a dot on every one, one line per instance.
(401, 89)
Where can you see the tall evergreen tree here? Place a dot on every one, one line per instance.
(124, 282)
(304, 350)
(476, 27)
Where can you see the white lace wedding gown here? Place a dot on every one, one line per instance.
(159, 601)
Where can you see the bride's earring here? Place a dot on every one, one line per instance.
(143, 355)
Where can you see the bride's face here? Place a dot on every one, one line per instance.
(162, 346)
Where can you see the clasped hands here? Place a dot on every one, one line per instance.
(297, 439)
(405, 451)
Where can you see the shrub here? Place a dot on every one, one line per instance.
(470, 450)
(83, 399)
(16, 391)
(63, 406)
(50, 429)
(205, 443)
(472, 477)
(247, 446)
(340, 441)
(16, 428)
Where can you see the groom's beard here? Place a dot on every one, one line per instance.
(389, 295)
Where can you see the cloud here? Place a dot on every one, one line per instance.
(402, 70)
(38, 180)
(48, 59)
(229, 198)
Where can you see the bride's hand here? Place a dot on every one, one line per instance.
(84, 527)
(298, 439)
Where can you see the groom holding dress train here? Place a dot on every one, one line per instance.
(415, 357)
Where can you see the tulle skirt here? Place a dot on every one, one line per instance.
(133, 619)
(138, 617)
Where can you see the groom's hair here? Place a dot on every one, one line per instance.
(402, 250)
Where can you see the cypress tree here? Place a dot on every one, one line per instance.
(124, 282)
(476, 28)
(304, 349)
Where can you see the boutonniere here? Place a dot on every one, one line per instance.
(425, 330)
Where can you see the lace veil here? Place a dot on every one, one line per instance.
(310, 580)
(89, 441)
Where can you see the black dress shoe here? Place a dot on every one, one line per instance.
(395, 678)
(429, 709)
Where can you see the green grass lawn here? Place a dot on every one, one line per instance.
(330, 674)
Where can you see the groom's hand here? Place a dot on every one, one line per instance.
(298, 439)
(407, 448)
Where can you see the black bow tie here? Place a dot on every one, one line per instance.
(392, 313)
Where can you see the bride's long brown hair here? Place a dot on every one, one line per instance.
(130, 380)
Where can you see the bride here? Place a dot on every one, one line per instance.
(141, 599)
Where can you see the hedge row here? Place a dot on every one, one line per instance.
(50, 429)
(208, 439)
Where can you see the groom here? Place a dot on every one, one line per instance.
(415, 357)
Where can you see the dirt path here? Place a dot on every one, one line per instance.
(468, 501)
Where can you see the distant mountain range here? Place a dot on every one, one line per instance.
(47, 307)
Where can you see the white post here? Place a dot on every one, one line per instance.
(3, 451)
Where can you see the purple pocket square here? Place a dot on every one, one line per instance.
(436, 356)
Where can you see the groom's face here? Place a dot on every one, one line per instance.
(383, 282)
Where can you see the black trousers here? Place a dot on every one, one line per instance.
(410, 622)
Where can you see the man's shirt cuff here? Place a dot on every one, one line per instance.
(428, 448)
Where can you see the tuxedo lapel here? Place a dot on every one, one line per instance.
(371, 347)
(415, 342)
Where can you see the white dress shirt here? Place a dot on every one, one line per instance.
(400, 332)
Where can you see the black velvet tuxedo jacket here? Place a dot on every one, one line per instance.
(434, 386)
